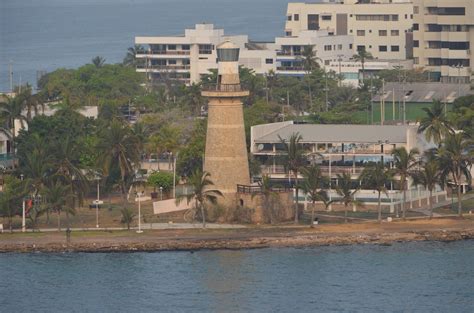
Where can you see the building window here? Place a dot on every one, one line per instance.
(171, 62)
(205, 49)
(360, 48)
(394, 17)
(185, 47)
(288, 17)
(382, 33)
(350, 46)
(350, 31)
(416, 43)
(411, 16)
(268, 61)
(382, 48)
(416, 9)
(416, 60)
(450, 11)
(296, 17)
(406, 16)
(360, 32)
(186, 62)
(288, 33)
(171, 47)
(327, 48)
(416, 26)
(326, 17)
(395, 48)
(339, 47)
(313, 22)
(395, 32)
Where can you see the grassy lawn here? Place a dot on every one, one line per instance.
(414, 111)
(366, 214)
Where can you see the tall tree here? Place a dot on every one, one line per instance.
(118, 145)
(376, 177)
(131, 56)
(294, 160)
(428, 176)
(346, 192)
(269, 197)
(312, 186)
(11, 110)
(200, 183)
(435, 124)
(310, 62)
(455, 157)
(404, 165)
(56, 197)
(362, 56)
(98, 61)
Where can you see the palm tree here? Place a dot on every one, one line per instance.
(313, 186)
(56, 196)
(131, 56)
(362, 56)
(455, 158)
(294, 159)
(98, 61)
(310, 62)
(404, 164)
(435, 124)
(127, 216)
(428, 176)
(118, 145)
(269, 196)
(193, 98)
(70, 173)
(376, 177)
(200, 183)
(11, 110)
(346, 192)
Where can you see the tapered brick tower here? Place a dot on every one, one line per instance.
(226, 152)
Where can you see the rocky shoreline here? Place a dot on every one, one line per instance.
(297, 240)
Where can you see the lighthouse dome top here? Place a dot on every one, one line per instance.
(228, 52)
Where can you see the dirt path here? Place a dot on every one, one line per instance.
(255, 237)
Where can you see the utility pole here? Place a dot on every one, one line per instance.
(11, 75)
(339, 59)
(382, 103)
(326, 88)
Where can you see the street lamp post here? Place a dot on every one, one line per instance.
(97, 203)
(161, 193)
(139, 198)
(23, 215)
(174, 175)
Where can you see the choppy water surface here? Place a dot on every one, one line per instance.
(47, 34)
(411, 277)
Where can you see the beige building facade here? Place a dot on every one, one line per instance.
(381, 27)
(443, 35)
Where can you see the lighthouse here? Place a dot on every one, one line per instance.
(226, 151)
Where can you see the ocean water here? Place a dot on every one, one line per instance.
(42, 35)
(408, 277)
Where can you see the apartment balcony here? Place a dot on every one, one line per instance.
(291, 69)
(455, 36)
(163, 68)
(289, 53)
(280, 170)
(157, 54)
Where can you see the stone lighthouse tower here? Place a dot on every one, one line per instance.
(226, 152)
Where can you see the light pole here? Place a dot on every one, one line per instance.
(97, 203)
(339, 59)
(161, 193)
(139, 198)
(23, 215)
(174, 175)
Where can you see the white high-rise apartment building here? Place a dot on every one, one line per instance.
(186, 58)
(443, 35)
(381, 27)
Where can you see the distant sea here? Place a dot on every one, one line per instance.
(43, 35)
